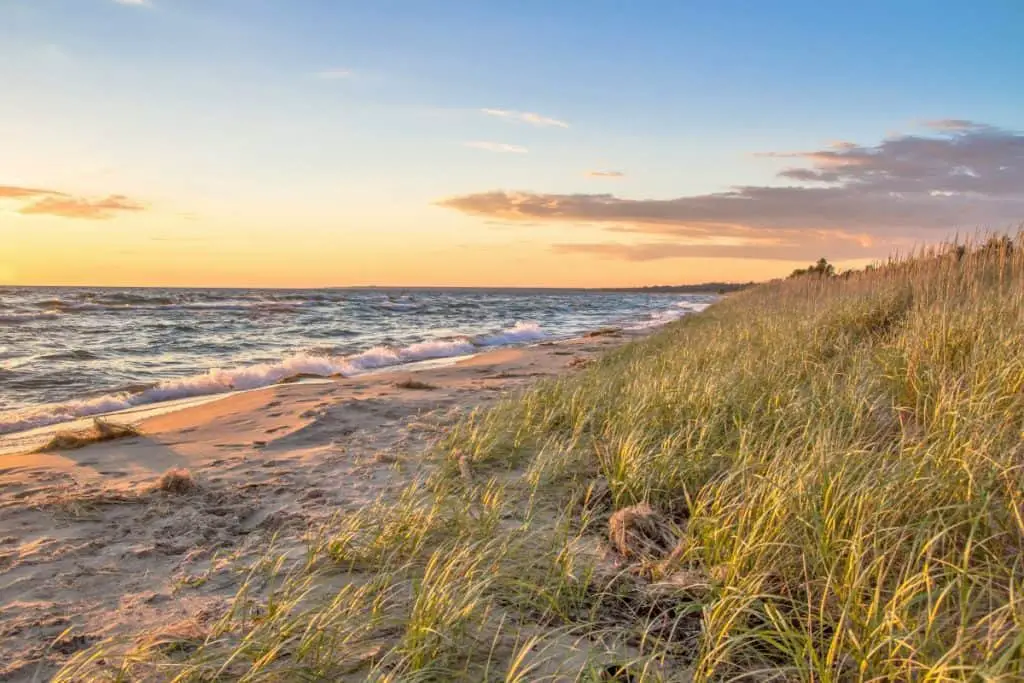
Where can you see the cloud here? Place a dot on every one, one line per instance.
(53, 203)
(525, 117)
(134, 3)
(960, 177)
(497, 147)
(952, 125)
(605, 174)
(804, 247)
(9, 192)
(333, 74)
(71, 207)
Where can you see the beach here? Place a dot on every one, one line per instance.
(97, 542)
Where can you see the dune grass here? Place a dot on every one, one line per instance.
(826, 476)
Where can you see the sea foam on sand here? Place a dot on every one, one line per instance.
(224, 380)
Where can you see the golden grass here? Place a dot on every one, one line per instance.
(838, 462)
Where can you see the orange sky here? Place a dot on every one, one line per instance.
(118, 253)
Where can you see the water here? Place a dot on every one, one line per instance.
(71, 352)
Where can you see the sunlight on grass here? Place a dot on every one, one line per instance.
(829, 472)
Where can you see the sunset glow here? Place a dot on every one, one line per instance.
(184, 142)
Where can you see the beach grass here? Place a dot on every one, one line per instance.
(817, 479)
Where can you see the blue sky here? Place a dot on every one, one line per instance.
(345, 123)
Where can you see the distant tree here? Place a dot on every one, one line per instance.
(820, 269)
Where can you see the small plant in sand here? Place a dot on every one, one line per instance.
(101, 431)
(412, 383)
(641, 532)
(178, 481)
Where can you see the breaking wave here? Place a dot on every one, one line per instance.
(224, 380)
(664, 317)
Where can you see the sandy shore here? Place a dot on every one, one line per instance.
(90, 548)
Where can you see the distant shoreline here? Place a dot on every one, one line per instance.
(701, 288)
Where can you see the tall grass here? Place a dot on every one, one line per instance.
(840, 462)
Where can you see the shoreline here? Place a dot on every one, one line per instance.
(88, 544)
(22, 441)
(21, 427)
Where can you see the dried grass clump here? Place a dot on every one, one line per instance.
(640, 532)
(411, 383)
(178, 481)
(100, 431)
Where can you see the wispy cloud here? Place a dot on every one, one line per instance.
(863, 200)
(9, 192)
(955, 125)
(333, 74)
(54, 203)
(800, 247)
(135, 3)
(497, 147)
(525, 117)
(605, 174)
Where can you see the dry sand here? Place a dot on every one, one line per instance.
(90, 547)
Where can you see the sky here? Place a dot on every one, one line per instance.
(308, 143)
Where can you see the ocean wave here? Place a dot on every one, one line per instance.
(399, 305)
(518, 334)
(225, 380)
(76, 354)
(129, 298)
(17, 318)
(665, 316)
(141, 303)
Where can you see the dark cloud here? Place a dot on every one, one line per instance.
(54, 203)
(965, 176)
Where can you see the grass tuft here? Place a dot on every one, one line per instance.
(178, 481)
(641, 532)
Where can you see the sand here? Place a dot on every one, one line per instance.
(91, 547)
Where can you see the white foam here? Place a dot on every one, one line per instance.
(518, 334)
(399, 305)
(216, 381)
(668, 315)
(438, 349)
(219, 381)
